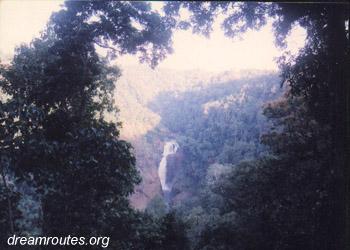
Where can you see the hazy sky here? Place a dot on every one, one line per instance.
(20, 21)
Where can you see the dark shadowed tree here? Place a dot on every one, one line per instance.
(317, 76)
(55, 136)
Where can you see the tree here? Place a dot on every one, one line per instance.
(120, 27)
(317, 76)
(174, 231)
(55, 135)
(285, 200)
(156, 207)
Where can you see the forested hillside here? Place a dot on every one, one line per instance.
(215, 118)
(159, 159)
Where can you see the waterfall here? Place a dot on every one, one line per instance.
(170, 147)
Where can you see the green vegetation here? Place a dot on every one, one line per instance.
(226, 125)
(259, 167)
(290, 198)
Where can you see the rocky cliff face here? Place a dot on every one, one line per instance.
(147, 157)
(175, 166)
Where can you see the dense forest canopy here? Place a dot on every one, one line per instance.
(258, 168)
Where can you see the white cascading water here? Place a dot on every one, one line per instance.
(170, 148)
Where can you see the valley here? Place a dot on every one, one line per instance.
(215, 118)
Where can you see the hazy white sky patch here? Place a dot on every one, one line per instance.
(21, 21)
(255, 50)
